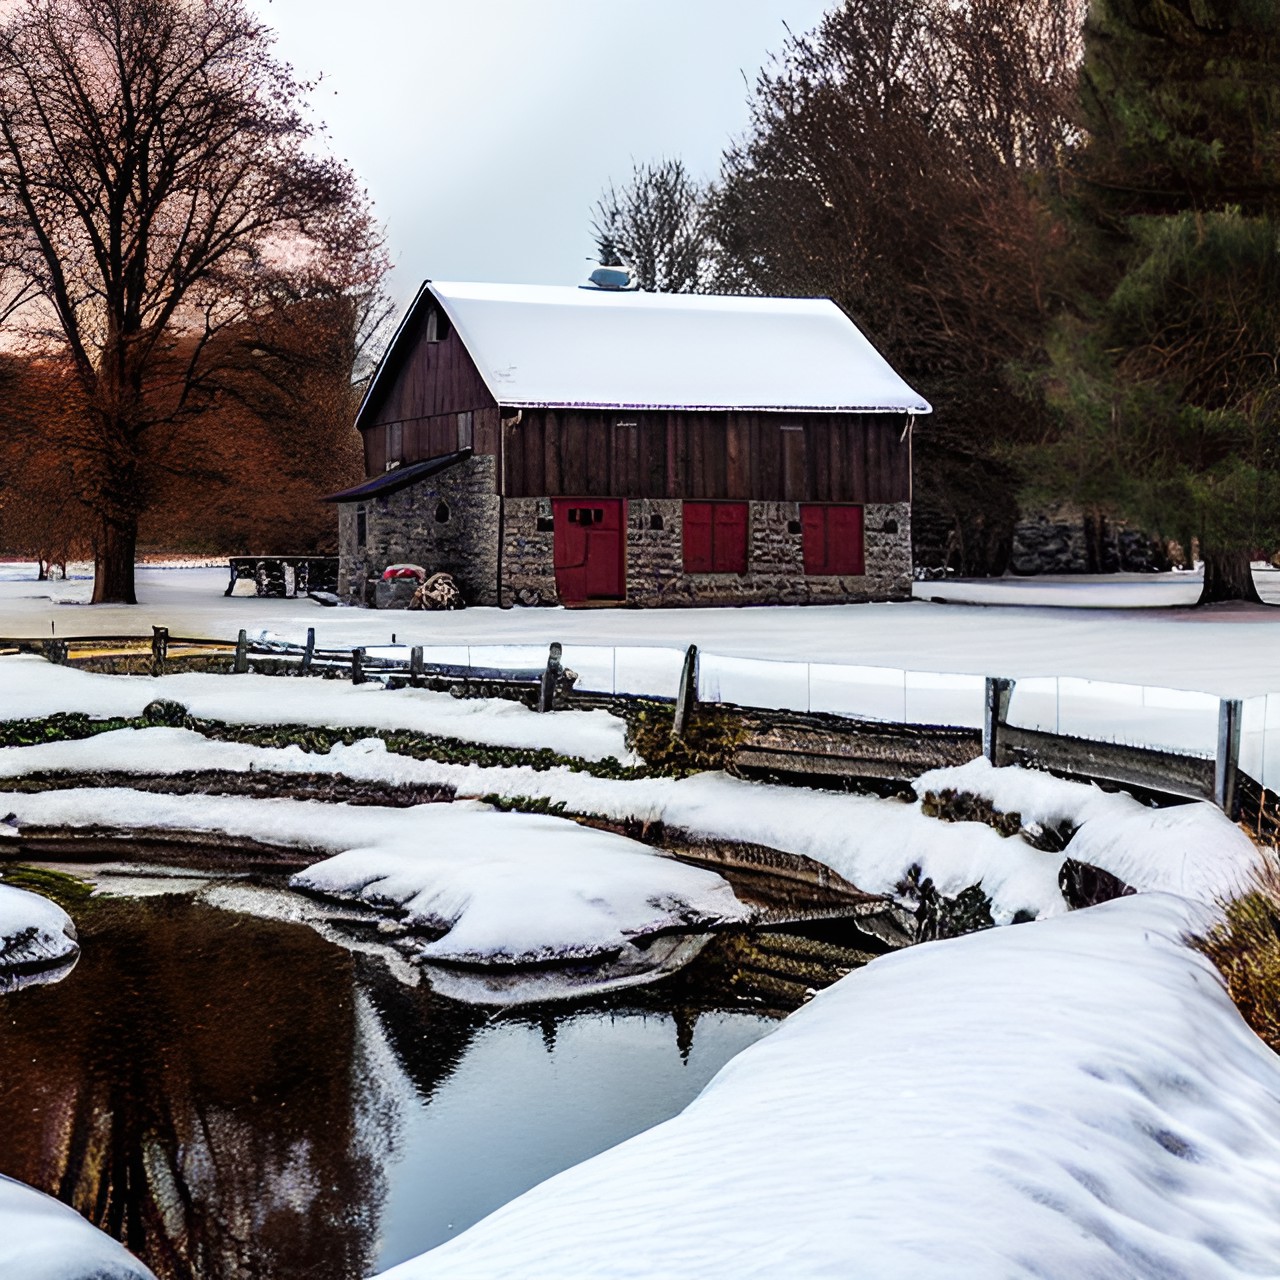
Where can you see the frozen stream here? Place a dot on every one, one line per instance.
(233, 1096)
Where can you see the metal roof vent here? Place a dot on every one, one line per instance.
(614, 279)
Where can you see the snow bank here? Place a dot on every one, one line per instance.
(519, 888)
(1192, 850)
(508, 887)
(1071, 1098)
(871, 842)
(33, 931)
(30, 687)
(42, 1239)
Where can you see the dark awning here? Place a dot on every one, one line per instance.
(398, 478)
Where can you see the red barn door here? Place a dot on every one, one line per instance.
(590, 549)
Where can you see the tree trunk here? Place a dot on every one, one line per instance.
(1227, 576)
(113, 561)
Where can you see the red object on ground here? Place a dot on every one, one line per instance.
(393, 571)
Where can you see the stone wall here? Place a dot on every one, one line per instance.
(447, 523)
(775, 559)
(1066, 540)
(404, 528)
(528, 553)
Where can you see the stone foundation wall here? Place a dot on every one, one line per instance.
(404, 528)
(447, 523)
(1065, 540)
(775, 559)
(528, 553)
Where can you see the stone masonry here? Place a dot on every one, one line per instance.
(447, 523)
(451, 522)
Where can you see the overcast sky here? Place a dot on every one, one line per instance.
(485, 129)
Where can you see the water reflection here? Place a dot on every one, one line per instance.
(191, 1090)
(238, 1097)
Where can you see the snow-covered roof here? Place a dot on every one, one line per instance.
(555, 346)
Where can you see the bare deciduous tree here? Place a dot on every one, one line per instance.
(159, 182)
(657, 225)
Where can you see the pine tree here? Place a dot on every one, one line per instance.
(1166, 375)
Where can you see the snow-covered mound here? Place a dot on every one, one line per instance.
(31, 687)
(508, 886)
(520, 888)
(43, 1239)
(34, 932)
(1072, 1098)
(1193, 850)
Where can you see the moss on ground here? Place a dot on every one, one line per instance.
(66, 890)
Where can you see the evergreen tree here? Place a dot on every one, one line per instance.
(1166, 375)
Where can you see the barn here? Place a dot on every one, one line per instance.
(586, 446)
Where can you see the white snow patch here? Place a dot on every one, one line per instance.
(1192, 850)
(31, 687)
(33, 930)
(1071, 1098)
(43, 1239)
(509, 887)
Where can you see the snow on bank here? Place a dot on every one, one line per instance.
(31, 687)
(507, 887)
(1190, 850)
(1071, 1098)
(43, 1239)
(33, 931)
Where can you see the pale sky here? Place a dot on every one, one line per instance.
(485, 129)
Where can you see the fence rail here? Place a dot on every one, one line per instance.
(1194, 740)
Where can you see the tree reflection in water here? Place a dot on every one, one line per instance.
(195, 1089)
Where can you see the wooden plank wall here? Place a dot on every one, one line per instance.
(763, 456)
(429, 378)
(431, 437)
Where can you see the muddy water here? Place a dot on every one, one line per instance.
(237, 1097)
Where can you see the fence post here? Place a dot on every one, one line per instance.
(357, 666)
(550, 677)
(687, 695)
(159, 649)
(995, 708)
(1226, 766)
(242, 652)
(308, 653)
(415, 666)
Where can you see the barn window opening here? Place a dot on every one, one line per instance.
(442, 512)
(546, 524)
(715, 537)
(466, 430)
(362, 528)
(794, 526)
(655, 520)
(437, 325)
(586, 515)
(832, 540)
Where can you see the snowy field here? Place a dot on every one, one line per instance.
(1227, 650)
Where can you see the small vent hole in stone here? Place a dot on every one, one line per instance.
(545, 524)
(793, 526)
(442, 513)
(655, 521)
(890, 526)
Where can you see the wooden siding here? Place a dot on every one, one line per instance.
(760, 456)
(424, 438)
(426, 379)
